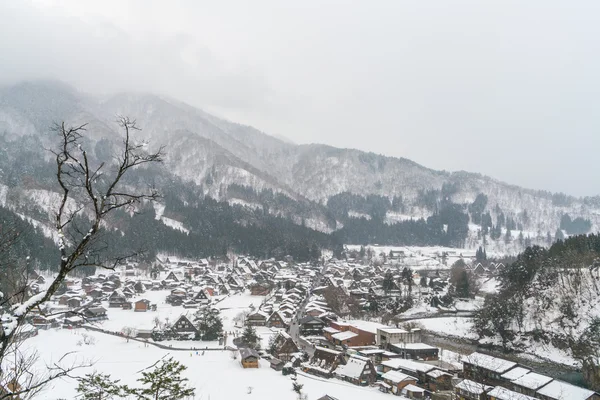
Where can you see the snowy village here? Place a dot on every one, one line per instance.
(272, 326)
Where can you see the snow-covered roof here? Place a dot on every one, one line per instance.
(488, 362)
(408, 365)
(412, 388)
(353, 369)
(397, 377)
(392, 330)
(344, 335)
(501, 393)
(413, 346)
(325, 349)
(366, 326)
(473, 387)
(515, 373)
(329, 329)
(560, 390)
(436, 373)
(371, 351)
(532, 380)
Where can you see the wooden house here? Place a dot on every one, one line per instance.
(276, 320)
(249, 357)
(94, 313)
(559, 390)
(398, 380)
(277, 364)
(257, 318)
(357, 370)
(437, 380)
(530, 383)
(116, 299)
(501, 393)
(415, 351)
(184, 329)
(284, 346)
(42, 322)
(311, 326)
(471, 390)
(485, 368)
(141, 305)
(202, 297)
(74, 302)
(413, 392)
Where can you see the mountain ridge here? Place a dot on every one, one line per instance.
(221, 157)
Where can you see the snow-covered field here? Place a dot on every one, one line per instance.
(452, 326)
(215, 375)
(422, 258)
(229, 306)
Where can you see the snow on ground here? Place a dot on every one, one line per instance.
(118, 318)
(537, 350)
(229, 306)
(489, 286)
(451, 357)
(451, 326)
(171, 223)
(423, 258)
(470, 305)
(3, 194)
(244, 203)
(159, 209)
(215, 374)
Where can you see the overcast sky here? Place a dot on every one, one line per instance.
(510, 89)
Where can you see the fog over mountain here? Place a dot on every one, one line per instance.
(317, 186)
(505, 89)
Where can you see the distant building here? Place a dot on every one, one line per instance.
(486, 369)
(387, 336)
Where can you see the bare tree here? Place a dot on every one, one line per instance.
(128, 332)
(89, 192)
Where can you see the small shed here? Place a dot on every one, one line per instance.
(142, 305)
(413, 392)
(277, 364)
(249, 357)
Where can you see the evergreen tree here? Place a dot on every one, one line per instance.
(521, 238)
(480, 254)
(507, 236)
(373, 305)
(97, 386)
(209, 324)
(388, 282)
(164, 382)
(250, 337)
(462, 284)
(297, 387)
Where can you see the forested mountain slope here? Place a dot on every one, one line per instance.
(339, 191)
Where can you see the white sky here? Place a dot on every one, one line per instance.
(507, 88)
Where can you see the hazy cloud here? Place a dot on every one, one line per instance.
(506, 88)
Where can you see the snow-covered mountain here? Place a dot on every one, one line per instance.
(214, 154)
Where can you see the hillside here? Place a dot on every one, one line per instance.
(549, 298)
(243, 166)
